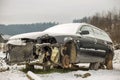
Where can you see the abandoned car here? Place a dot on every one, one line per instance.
(64, 45)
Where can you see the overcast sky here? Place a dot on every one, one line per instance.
(63, 11)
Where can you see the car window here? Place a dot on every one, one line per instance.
(104, 34)
(100, 34)
(97, 32)
(87, 28)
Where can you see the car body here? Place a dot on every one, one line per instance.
(91, 43)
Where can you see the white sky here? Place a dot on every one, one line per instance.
(63, 11)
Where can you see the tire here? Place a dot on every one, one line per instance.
(108, 61)
(94, 66)
(71, 50)
(69, 54)
(65, 61)
(107, 64)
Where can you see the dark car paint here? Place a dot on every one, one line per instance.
(87, 50)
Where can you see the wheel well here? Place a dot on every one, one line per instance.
(71, 50)
(46, 39)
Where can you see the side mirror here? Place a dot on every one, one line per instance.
(84, 32)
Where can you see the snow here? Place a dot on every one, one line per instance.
(6, 37)
(62, 29)
(116, 60)
(15, 74)
(2, 55)
(95, 75)
(70, 28)
(31, 35)
(16, 42)
(117, 57)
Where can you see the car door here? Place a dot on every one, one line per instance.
(86, 51)
(86, 40)
(100, 36)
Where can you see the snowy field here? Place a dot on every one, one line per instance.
(95, 75)
(15, 74)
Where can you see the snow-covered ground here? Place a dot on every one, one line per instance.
(95, 75)
(15, 74)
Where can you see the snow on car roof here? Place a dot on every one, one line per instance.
(62, 29)
(69, 28)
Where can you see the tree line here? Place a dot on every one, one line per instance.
(109, 21)
(14, 29)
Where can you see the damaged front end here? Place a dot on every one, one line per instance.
(44, 50)
(47, 52)
(51, 53)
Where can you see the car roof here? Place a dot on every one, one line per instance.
(69, 28)
(72, 28)
(65, 29)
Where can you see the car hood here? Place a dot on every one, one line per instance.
(16, 40)
(34, 35)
